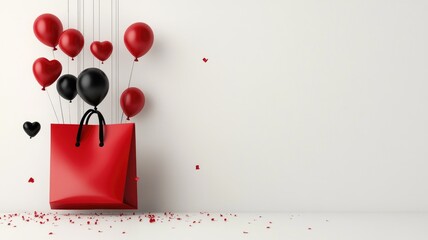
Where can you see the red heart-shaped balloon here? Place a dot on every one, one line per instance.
(102, 50)
(46, 72)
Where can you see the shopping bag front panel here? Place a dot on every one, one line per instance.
(89, 176)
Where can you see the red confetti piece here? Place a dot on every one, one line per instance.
(123, 232)
(205, 59)
(136, 179)
(31, 180)
(212, 219)
(225, 219)
(197, 167)
(268, 227)
(152, 220)
(50, 233)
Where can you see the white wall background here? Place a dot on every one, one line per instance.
(302, 106)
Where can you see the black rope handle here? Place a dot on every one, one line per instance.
(87, 116)
(101, 133)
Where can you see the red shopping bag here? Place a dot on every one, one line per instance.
(93, 166)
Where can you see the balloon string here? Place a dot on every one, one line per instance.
(68, 26)
(69, 112)
(59, 97)
(99, 19)
(78, 65)
(68, 13)
(60, 105)
(111, 62)
(83, 52)
(130, 75)
(118, 57)
(93, 29)
(99, 26)
(50, 100)
(129, 84)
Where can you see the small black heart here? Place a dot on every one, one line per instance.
(32, 128)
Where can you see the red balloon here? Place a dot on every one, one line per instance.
(132, 101)
(102, 50)
(71, 42)
(48, 28)
(138, 39)
(46, 72)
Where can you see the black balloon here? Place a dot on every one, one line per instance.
(92, 86)
(66, 86)
(32, 128)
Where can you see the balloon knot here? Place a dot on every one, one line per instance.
(43, 89)
(70, 101)
(72, 59)
(55, 49)
(95, 108)
(102, 62)
(136, 60)
(127, 118)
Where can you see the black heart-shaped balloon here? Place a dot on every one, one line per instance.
(92, 86)
(66, 86)
(32, 128)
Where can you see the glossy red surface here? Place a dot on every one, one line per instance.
(48, 28)
(71, 42)
(101, 50)
(89, 176)
(132, 101)
(138, 39)
(46, 72)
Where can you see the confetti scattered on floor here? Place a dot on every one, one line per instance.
(102, 222)
(197, 167)
(205, 59)
(31, 180)
(128, 225)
